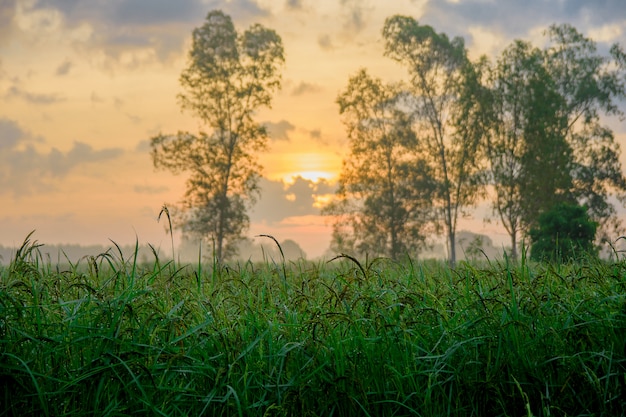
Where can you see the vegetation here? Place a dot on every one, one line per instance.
(546, 143)
(230, 76)
(385, 188)
(440, 75)
(564, 233)
(112, 336)
(518, 82)
(526, 131)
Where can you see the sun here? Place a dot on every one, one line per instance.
(311, 166)
(313, 176)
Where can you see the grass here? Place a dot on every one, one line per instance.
(110, 336)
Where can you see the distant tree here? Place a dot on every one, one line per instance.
(563, 233)
(590, 85)
(546, 174)
(442, 81)
(229, 77)
(528, 158)
(383, 201)
(546, 145)
(292, 250)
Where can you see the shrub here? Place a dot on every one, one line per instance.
(563, 233)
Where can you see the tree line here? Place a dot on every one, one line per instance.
(524, 130)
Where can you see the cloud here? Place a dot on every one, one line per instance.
(64, 68)
(143, 146)
(513, 19)
(25, 170)
(154, 12)
(304, 88)
(598, 12)
(325, 42)
(7, 19)
(355, 15)
(279, 130)
(10, 133)
(280, 201)
(324, 187)
(95, 98)
(59, 164)
(33, 98)
(242, 11)
(607, 33)
(135, 32)
(133, 118)
(315, 134)
(150, 189)
(294, 4)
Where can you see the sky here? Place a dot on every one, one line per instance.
(84, 85)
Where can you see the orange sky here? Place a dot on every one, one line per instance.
(85, 84)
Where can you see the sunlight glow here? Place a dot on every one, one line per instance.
(313, 176)
(286, 166)
(322, 200)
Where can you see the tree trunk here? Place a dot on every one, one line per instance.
(219, 238)
(452, 243)
(514, 245)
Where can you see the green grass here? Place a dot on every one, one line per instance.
(112, 337)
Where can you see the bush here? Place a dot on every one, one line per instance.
(565, 232)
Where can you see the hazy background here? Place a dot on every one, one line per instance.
(84, 84)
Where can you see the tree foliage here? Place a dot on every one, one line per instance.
(228, 78)
(590, 85)
(563, 233)
(546, 143)
(382, 204)
(528, 158)
(442, 86)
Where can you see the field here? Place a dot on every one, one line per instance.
(111, 336)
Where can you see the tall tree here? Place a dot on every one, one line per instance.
(228, 78)
(547, 146)
(528, 160)
(590, 85)
(439, 71)
(383, 201)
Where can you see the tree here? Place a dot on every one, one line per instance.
(440, 75)
(383, 200)
(546, 145)
(590, 85)
(229, 77)
(528, 159)
(563, 233)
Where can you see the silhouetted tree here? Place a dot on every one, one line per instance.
(442, 82)
(229, 77)
(546, 145)
(529, 159)
(383, 201)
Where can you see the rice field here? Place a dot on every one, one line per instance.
(112, 336)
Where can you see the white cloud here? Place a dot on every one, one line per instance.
(607, 33)
(485, 41)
